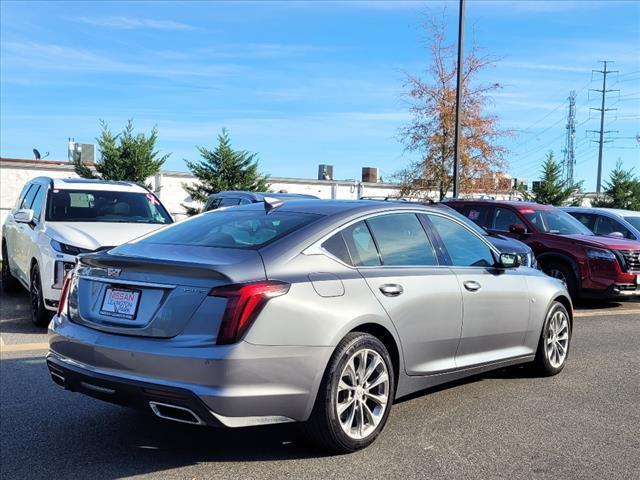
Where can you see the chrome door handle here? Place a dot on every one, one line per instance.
(391, 289)
(472, 286)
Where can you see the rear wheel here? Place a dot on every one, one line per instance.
(40, 316)
(562, 272)
(553, 347)
(10, 283)
(355, 395)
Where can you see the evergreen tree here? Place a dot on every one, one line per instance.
(223, 169)
(621, 191)
(552, 189)
(125, 156)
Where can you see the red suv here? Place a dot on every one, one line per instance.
(590, 266)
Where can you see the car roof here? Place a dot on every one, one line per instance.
(614, 211)
(513, 203)
(95, 184)
(259, 196)
(333, 207)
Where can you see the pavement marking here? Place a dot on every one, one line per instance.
(598, 313)
(23, 347)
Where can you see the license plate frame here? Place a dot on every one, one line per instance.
(117, 311)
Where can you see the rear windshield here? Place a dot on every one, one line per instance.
(105, 206)
(232, 228)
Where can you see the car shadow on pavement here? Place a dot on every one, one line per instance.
(48, 432)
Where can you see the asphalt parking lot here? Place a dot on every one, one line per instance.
(583, 423)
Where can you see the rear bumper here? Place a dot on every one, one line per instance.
(232, 385)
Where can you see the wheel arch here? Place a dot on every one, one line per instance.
(549, 257)
(566, 303)
(386, 337)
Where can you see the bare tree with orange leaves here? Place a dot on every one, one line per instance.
(431, 128)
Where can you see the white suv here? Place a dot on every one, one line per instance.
(54, 220)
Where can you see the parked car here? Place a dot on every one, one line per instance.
(55, 220)
(608, 221)
(237, 197)
(321, 312)
(590, 266)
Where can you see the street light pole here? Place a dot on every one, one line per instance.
(456, 157)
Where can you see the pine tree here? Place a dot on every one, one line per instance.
(552, 189)
(223, 169)
(126, 156)
(621, 191)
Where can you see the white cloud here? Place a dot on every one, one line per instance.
(130, 23)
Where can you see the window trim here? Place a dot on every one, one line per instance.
(316, 247)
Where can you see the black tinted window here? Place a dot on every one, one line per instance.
(232, 228)
(362, 248)
(607, 226)
(402, 240)
(337, 247)
(504, 218)
(477, 214)
(229, 202)
(464, 248)
(586, 219)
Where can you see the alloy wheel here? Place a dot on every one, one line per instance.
(556, 341)
(362, 394)
(556, 273)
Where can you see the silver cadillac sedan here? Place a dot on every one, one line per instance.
(319, 312)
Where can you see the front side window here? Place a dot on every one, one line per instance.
(607, 226)
(229, 202)
(634, 221)
(463, 247)
(555, 221)
(28, 198)
(105, 206)
(233, 228)
(38, 203)
(23, 193)
(504, 218)
(401, 240)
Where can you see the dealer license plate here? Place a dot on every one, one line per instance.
(120, 303)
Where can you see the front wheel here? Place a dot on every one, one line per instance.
(40, 316)
(355, 395)
(553, 347)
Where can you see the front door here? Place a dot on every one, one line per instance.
(496, 300)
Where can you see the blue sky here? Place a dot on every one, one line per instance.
(306, 83)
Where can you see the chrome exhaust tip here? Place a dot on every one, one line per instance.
(175, 413)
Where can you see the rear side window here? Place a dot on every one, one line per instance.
(402, 240)
(479, 214)
(504, 218)
(232, 228)
(361, 246)
(337, 247)
(464, 248)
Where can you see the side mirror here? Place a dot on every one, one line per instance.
(509, 260)
(518, 229)
(616, 235)
(24, 215)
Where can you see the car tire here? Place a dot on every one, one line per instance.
(564, 272)
(348, 419)
(10, 284)
(40, 316)
(555, 341)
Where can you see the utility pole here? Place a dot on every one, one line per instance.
(602, 109)
(456, 155)
(569, 152)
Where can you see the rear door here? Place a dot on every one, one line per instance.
(496, 301)
(422, 298)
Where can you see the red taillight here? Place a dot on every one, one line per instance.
(64, 294)
(244, 303)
